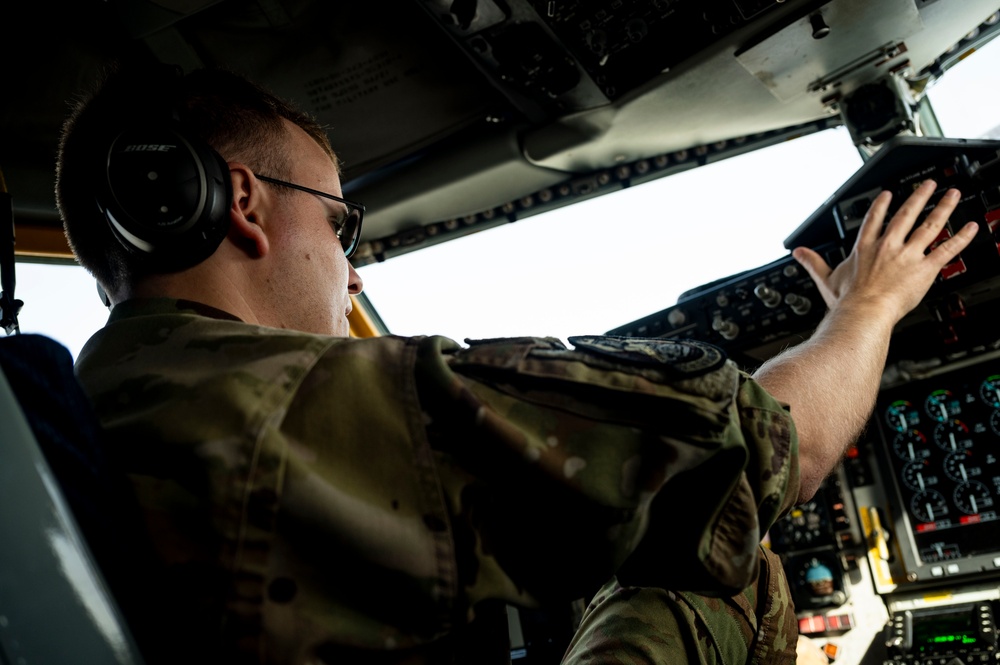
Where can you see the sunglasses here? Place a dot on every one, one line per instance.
(347, 226)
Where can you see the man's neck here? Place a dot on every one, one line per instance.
(204, 285)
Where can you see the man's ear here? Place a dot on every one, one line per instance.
(247, 212)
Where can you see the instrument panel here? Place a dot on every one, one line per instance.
(963, 633)
(757, 313)
(942, 452)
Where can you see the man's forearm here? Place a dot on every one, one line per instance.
(830, 382)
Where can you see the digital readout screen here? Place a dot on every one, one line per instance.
(941, 631)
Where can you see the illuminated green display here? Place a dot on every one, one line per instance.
(943, 639)
(954, 629)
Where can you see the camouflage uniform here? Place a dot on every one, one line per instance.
(320, 499)
(632, 625)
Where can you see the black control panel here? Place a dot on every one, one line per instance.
(581, 54)
(752, 315)
(941, 451)
(811, 540)
(623, 43)
(955, 635)
(755, 314)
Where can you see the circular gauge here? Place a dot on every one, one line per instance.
(928, 505)
(804, 525)
(916, 475)
(952, 435)
(995, 422)
(972, 497)
(940, 404)
(816, 581)
(956, 466)
(911, 445)
(989, 391)
(900, 415)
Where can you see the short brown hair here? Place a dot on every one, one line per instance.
(238, 118)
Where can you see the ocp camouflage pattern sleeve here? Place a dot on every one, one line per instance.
(314, 499)
(585, 442)
(652, 626)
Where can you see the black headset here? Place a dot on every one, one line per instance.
(164, 193)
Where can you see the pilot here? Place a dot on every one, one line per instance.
(310, 497)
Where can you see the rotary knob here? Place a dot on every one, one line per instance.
(799, 304)
(725, 327)
(767, 295)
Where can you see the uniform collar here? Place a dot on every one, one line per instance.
(159, 306)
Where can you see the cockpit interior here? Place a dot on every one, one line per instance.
(458, 119)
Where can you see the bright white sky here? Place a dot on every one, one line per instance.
(596, 265)
(590, 267)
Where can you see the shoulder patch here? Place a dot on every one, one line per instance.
(683, 356)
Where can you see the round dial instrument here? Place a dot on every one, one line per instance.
(952, 435)
(957, 466)
(940, 404)
(972, 497)
(901, 415)
(989, 391)
(928, 506)
(918, 475)
(911, 445)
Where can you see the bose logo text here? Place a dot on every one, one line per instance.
(148, 147)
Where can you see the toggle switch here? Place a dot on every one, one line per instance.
(725, 327)
(799, 304)
(767, 295)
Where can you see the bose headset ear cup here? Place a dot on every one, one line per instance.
(165, 195)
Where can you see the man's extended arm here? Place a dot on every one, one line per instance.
(831, 380)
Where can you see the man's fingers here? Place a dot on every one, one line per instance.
(935, 221)
(871, 225)
(904, 219)
(819, 270)
(950, 248)
(815, 265)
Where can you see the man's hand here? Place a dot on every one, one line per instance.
(831, 380)
(808, 652)
(891, 270)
